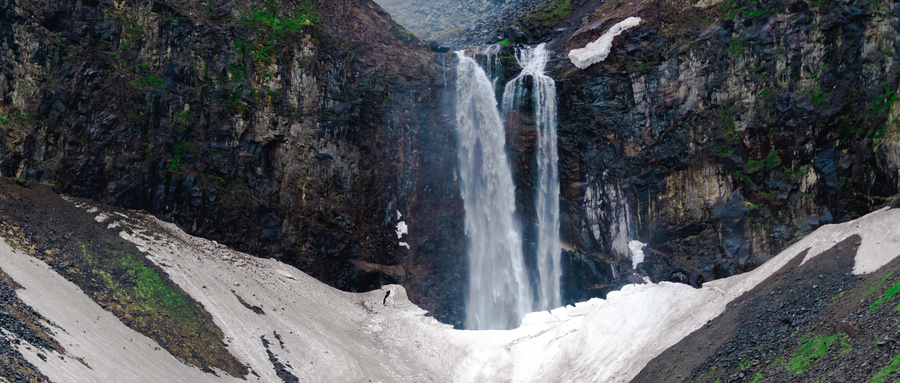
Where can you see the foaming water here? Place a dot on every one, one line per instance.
(533, 61)
(499, 293)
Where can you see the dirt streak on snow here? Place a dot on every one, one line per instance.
(334, 336)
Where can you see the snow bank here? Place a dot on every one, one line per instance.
(598, 50)
(612, 340)
(333, 336)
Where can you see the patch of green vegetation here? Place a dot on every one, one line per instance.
(814, 349)
(237, 71)
(723, 153)
(215, 178)
(550, 14)
(753, 9)
(143, 66)
(148, 156)
(820, 4)
(734, 47)
(173, 165)
(153, 81)
(268, 27)
(153, 294)
(883, 102)
(185, 146)
(708, 374)
(113, 56)
(141, 294)
(755, 12)
(181, 118)
(888, 294)
(180, 148)
(638, 66)
(87, 256)
(816, 97)
(757, 376)
(742, 176)
(235, 101)
(760, 374)
(135, 31)
(4, 120)
(504, 42)
(887, 372)
(771, 161)
(796, 175)
(730, 132)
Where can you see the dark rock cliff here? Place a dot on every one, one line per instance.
(718, 132)
(292, 129)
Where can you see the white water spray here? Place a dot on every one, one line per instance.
(533, 61)
(499, 293)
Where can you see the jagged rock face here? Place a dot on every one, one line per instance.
(301, 140)
(717, 142)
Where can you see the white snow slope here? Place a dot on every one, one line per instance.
(332, 336)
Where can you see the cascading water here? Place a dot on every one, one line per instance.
(490, 61)
(499, 293)
(533, 61)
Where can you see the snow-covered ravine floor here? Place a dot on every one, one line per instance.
(326, 335)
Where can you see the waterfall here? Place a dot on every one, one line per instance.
(490, 61)
(499, 292)
(533, 60)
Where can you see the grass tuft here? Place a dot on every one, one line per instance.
(814, 349)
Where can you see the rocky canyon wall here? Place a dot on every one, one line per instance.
(306, 131)
(719, 132)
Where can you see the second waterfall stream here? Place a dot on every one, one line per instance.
(499, 290)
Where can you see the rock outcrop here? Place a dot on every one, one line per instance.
(299, 130)
(718, 132)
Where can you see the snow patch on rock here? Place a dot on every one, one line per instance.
(598, 50)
